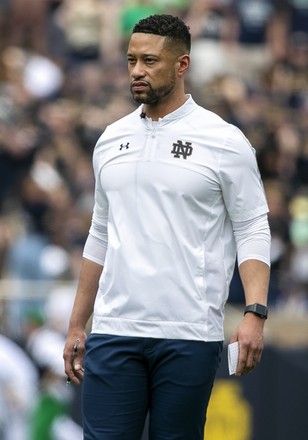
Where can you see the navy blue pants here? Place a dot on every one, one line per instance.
(127, 377)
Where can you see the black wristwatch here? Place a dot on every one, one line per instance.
(257, 309)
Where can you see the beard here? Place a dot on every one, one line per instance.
(154, 96)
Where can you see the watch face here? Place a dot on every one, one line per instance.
(261, 310)
(257, 309)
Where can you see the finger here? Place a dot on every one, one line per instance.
(251, 362)
(254, 357)
(241, 366)
(74, 372)
(245, 370)
(77, 360)
(73, 367)
(72, 376)
(246, 363)
(78, 370)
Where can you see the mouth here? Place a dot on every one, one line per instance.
(139, 86)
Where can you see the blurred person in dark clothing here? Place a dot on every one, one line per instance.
(28, 24)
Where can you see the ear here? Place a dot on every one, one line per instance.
(183, 64)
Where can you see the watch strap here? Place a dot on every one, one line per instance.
(257, 309)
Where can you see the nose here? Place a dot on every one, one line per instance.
(137, 70)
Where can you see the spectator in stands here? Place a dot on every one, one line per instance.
(51, 415)
(239, 37)
(18, 388)
(91, 30)
(28, 24)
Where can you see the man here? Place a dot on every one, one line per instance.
(178, 192)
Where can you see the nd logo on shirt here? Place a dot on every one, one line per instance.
(180, 149)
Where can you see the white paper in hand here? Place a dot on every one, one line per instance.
(233, 353)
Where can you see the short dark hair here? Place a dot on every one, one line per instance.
(168, 26)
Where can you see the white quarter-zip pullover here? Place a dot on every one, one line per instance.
(167, 196)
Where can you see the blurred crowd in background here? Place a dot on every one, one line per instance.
(63, 79)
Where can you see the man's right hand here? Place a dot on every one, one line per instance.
(73, 354)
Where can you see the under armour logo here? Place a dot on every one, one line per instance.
(124, 146)
(180, 149)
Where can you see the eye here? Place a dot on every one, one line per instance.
(131, 60)
(150, 60)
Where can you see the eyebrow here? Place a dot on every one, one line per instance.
(129, 54)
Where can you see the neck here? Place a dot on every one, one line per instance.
(162, 108)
